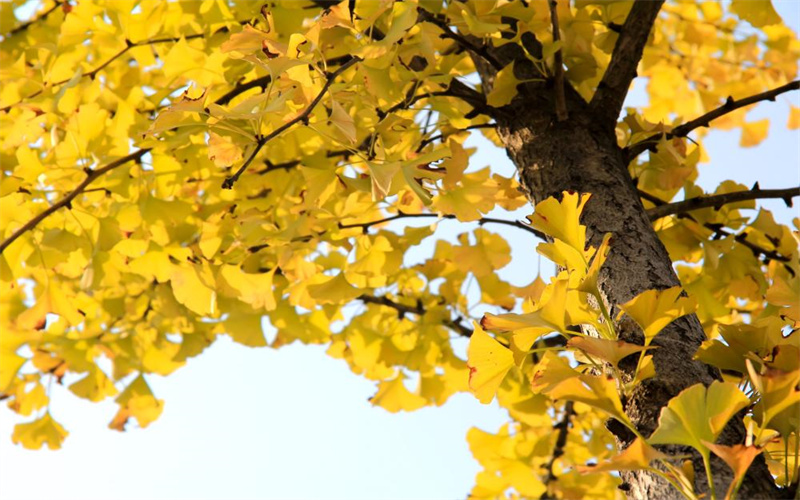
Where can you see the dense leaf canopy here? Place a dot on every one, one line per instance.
(176, 171)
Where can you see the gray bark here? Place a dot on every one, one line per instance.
(581, 154)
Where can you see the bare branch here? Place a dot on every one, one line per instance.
(24, 26)
(558, 62)
(418, 309)
(730, 105)
(561, 441)
(66, 201)
(302, 117)
(466, 44)
(611, 92)
(128, 46)
(719, 232)
(483, 220)
(719, 200)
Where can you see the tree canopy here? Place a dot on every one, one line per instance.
(176, 171)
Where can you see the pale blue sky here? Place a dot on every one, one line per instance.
(244, 423)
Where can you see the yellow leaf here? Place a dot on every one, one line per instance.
(596, 391)
(738, 457)
(192, 292)
(183, 60)
(608, 350)
(698, 415)
(759, 13)
(637, 456)
(222, 151)
(382, 175)
(336, 290)
(393, 396)
(488, 362)
(655, 309)
(778, 391)
(253, 289)
(95, 386)
(561, 219)
(504, 89)
(137, 401)
(794, 118)
(33, 435)
(246, 329)
(247, 41)
(549, 317)
(753, 133)
(343, 121)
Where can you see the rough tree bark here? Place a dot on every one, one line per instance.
(581, 154)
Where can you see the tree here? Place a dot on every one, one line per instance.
(177, 171)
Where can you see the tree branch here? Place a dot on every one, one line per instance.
(24, 26)
(483, 220)
(558, 450)
(263, 81)
(721, 233)
(66, 201)
(558, 62)
(418, 309)
(719, 200)
(730, 105)
(128, 46)
(481, 51)
(302, 117)
(607, 101)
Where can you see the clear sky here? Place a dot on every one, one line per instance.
(244, 423)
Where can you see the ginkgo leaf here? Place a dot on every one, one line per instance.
(95, 386)
(222, 151)
(637, 456)
(753, 133)
(561, 219)
(608, 350)
(738, 457)
(343, 121)
(698, 414)
(334, 290)
(488, 362)
(778, 391)
(382, 175)
(655, 309)
(551, 371)
(137, 401)
(794, 118)
(45, 430)
(246, 329)
(596, 391)
(504, 88)
(393, 396)
(253, 289)
(756, 13)
(191, 291)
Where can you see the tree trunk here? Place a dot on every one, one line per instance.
(581, 154)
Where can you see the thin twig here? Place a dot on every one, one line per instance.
(719, 200)
(721, 233)
(483, 220)
(558, 62)
(558, 450)
(730, 105)
(425, 142)
(302, 117)
(28, 24)
(66, 201)
(459, 39)
(418, 309)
